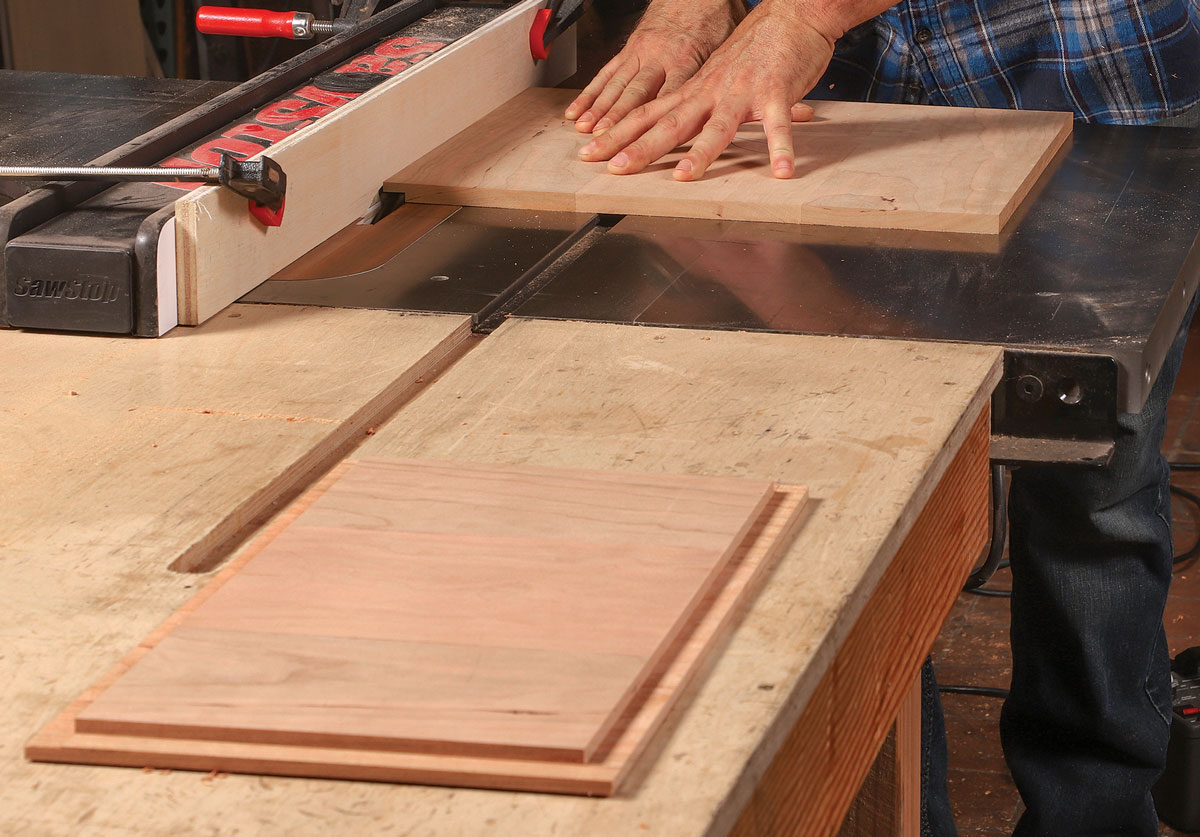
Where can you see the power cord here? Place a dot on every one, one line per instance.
(994, 559)
(1189, 555)
(980, 691)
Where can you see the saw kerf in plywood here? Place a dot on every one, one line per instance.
(858, 164)
(541, 653)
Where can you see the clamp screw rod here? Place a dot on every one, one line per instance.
(152, 173)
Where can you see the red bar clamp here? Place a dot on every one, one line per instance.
(551, 21)
(537, 35)
(260, 23)
(265, 215)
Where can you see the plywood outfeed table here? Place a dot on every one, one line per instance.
(133, 456)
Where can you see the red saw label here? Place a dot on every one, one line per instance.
(300, 108)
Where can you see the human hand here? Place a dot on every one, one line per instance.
(670, 43)
(772, 59)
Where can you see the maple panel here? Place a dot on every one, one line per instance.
(859, 164)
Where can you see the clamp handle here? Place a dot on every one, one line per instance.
(538, 46)
(554, 18)
(251, 23)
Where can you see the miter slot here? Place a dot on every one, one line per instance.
(549, 266)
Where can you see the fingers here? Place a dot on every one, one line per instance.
(672, 130)
(648, 133)
(638, 122)
(802, 112)
(604, 100)
(612, 95)
(616, 102)
(777, 124)
(675, 79)
(588, 95)
(652, 130)
(718, 132)
(665, 91)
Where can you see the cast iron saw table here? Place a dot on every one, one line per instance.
(1085, 290)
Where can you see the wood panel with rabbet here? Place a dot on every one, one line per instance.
(445, 608)
(666, 684)
(335, 166)
(859, 164)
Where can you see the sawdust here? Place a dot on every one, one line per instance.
(450, 23)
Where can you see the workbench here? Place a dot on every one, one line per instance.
(136, 468)
(133, 457)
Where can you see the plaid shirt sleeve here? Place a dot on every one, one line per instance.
(1112, 61)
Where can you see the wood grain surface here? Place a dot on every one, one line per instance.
(868, 425)
(671, 681)
(218, 425)
(445, 608)
(858, 164)
(811, 782)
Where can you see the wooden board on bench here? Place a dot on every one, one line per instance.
(859, 164)
(500, 626)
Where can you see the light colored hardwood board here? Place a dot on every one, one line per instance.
(692, 651)
(335, 167)
(860, 164)
(537, 646)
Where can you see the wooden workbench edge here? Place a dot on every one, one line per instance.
(764, 768)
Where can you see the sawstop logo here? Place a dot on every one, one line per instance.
(103, 291)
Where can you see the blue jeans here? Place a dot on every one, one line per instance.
(1087, 720)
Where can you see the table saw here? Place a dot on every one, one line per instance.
(602, 341)
(1084, 289)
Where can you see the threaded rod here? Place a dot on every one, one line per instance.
(208, 174)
